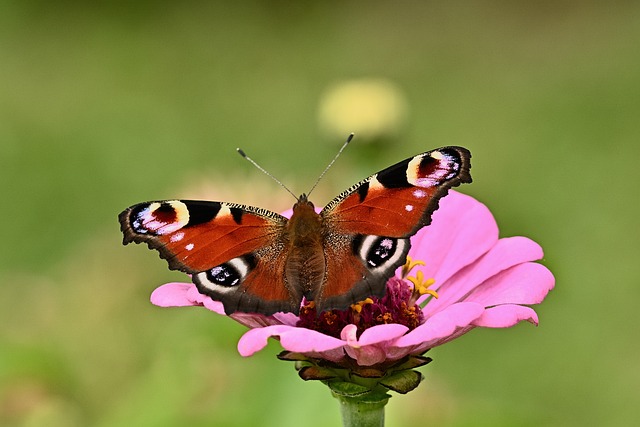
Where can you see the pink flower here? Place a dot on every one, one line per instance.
(480, 280)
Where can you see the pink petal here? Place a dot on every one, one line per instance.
(197, 297)
(368, 355)
(215, 306)
(304, 340)
(372, 346)
(299, 340)
(286, 318)
(461, 231)
(505, 316)
(381, 333)
(364, 356)
(349, 334)
(441, 325)
(256, 339)
(173, 295)
(186, 294)
(505, 254)
(254, 320)
(526, 284)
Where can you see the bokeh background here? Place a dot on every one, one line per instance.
(106, 104)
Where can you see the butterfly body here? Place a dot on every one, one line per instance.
(305, 265)
(255, 260)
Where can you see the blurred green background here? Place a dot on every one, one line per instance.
(107, 104)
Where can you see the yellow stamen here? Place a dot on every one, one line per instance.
(410, 265)
(357, 307)
(385, 318)
(421, 286)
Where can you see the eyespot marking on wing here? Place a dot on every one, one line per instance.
(227, 276)
(432, 169)
(379, 252)
(159, 218)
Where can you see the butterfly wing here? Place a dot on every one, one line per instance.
(378, 215)
(233, 252)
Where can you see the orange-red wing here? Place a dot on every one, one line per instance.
(264, 289)
(354, 275)
(346, 281)
(234, 253)
(399, 200)
(196, 235)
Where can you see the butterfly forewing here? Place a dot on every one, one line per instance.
(196, 235)
(400, 199)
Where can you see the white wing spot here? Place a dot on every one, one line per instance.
(177, 237)
(189, 246)
(224, 210)
(408, 208)
(374, 184)
(418, 193)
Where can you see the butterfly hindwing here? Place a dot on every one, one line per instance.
(361, 270)
(233, 252)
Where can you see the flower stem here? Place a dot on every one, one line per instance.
(362, 411)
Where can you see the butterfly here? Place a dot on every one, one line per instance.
(257, 261)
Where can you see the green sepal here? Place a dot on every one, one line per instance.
(347, 389)
(402, 382)
(367, 372)
(316, 373)
(291, 356)
(413, 362)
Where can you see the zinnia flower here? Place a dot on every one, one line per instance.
(470, 278)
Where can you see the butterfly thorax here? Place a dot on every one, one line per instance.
(305, 265)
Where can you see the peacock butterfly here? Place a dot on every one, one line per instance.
(257, 261)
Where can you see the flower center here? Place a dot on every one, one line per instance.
(398, 305)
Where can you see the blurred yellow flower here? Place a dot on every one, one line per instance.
(372, 108)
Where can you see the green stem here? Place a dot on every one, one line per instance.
(362, 411)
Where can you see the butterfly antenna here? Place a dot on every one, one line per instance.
(263, 170)
(332, 161)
